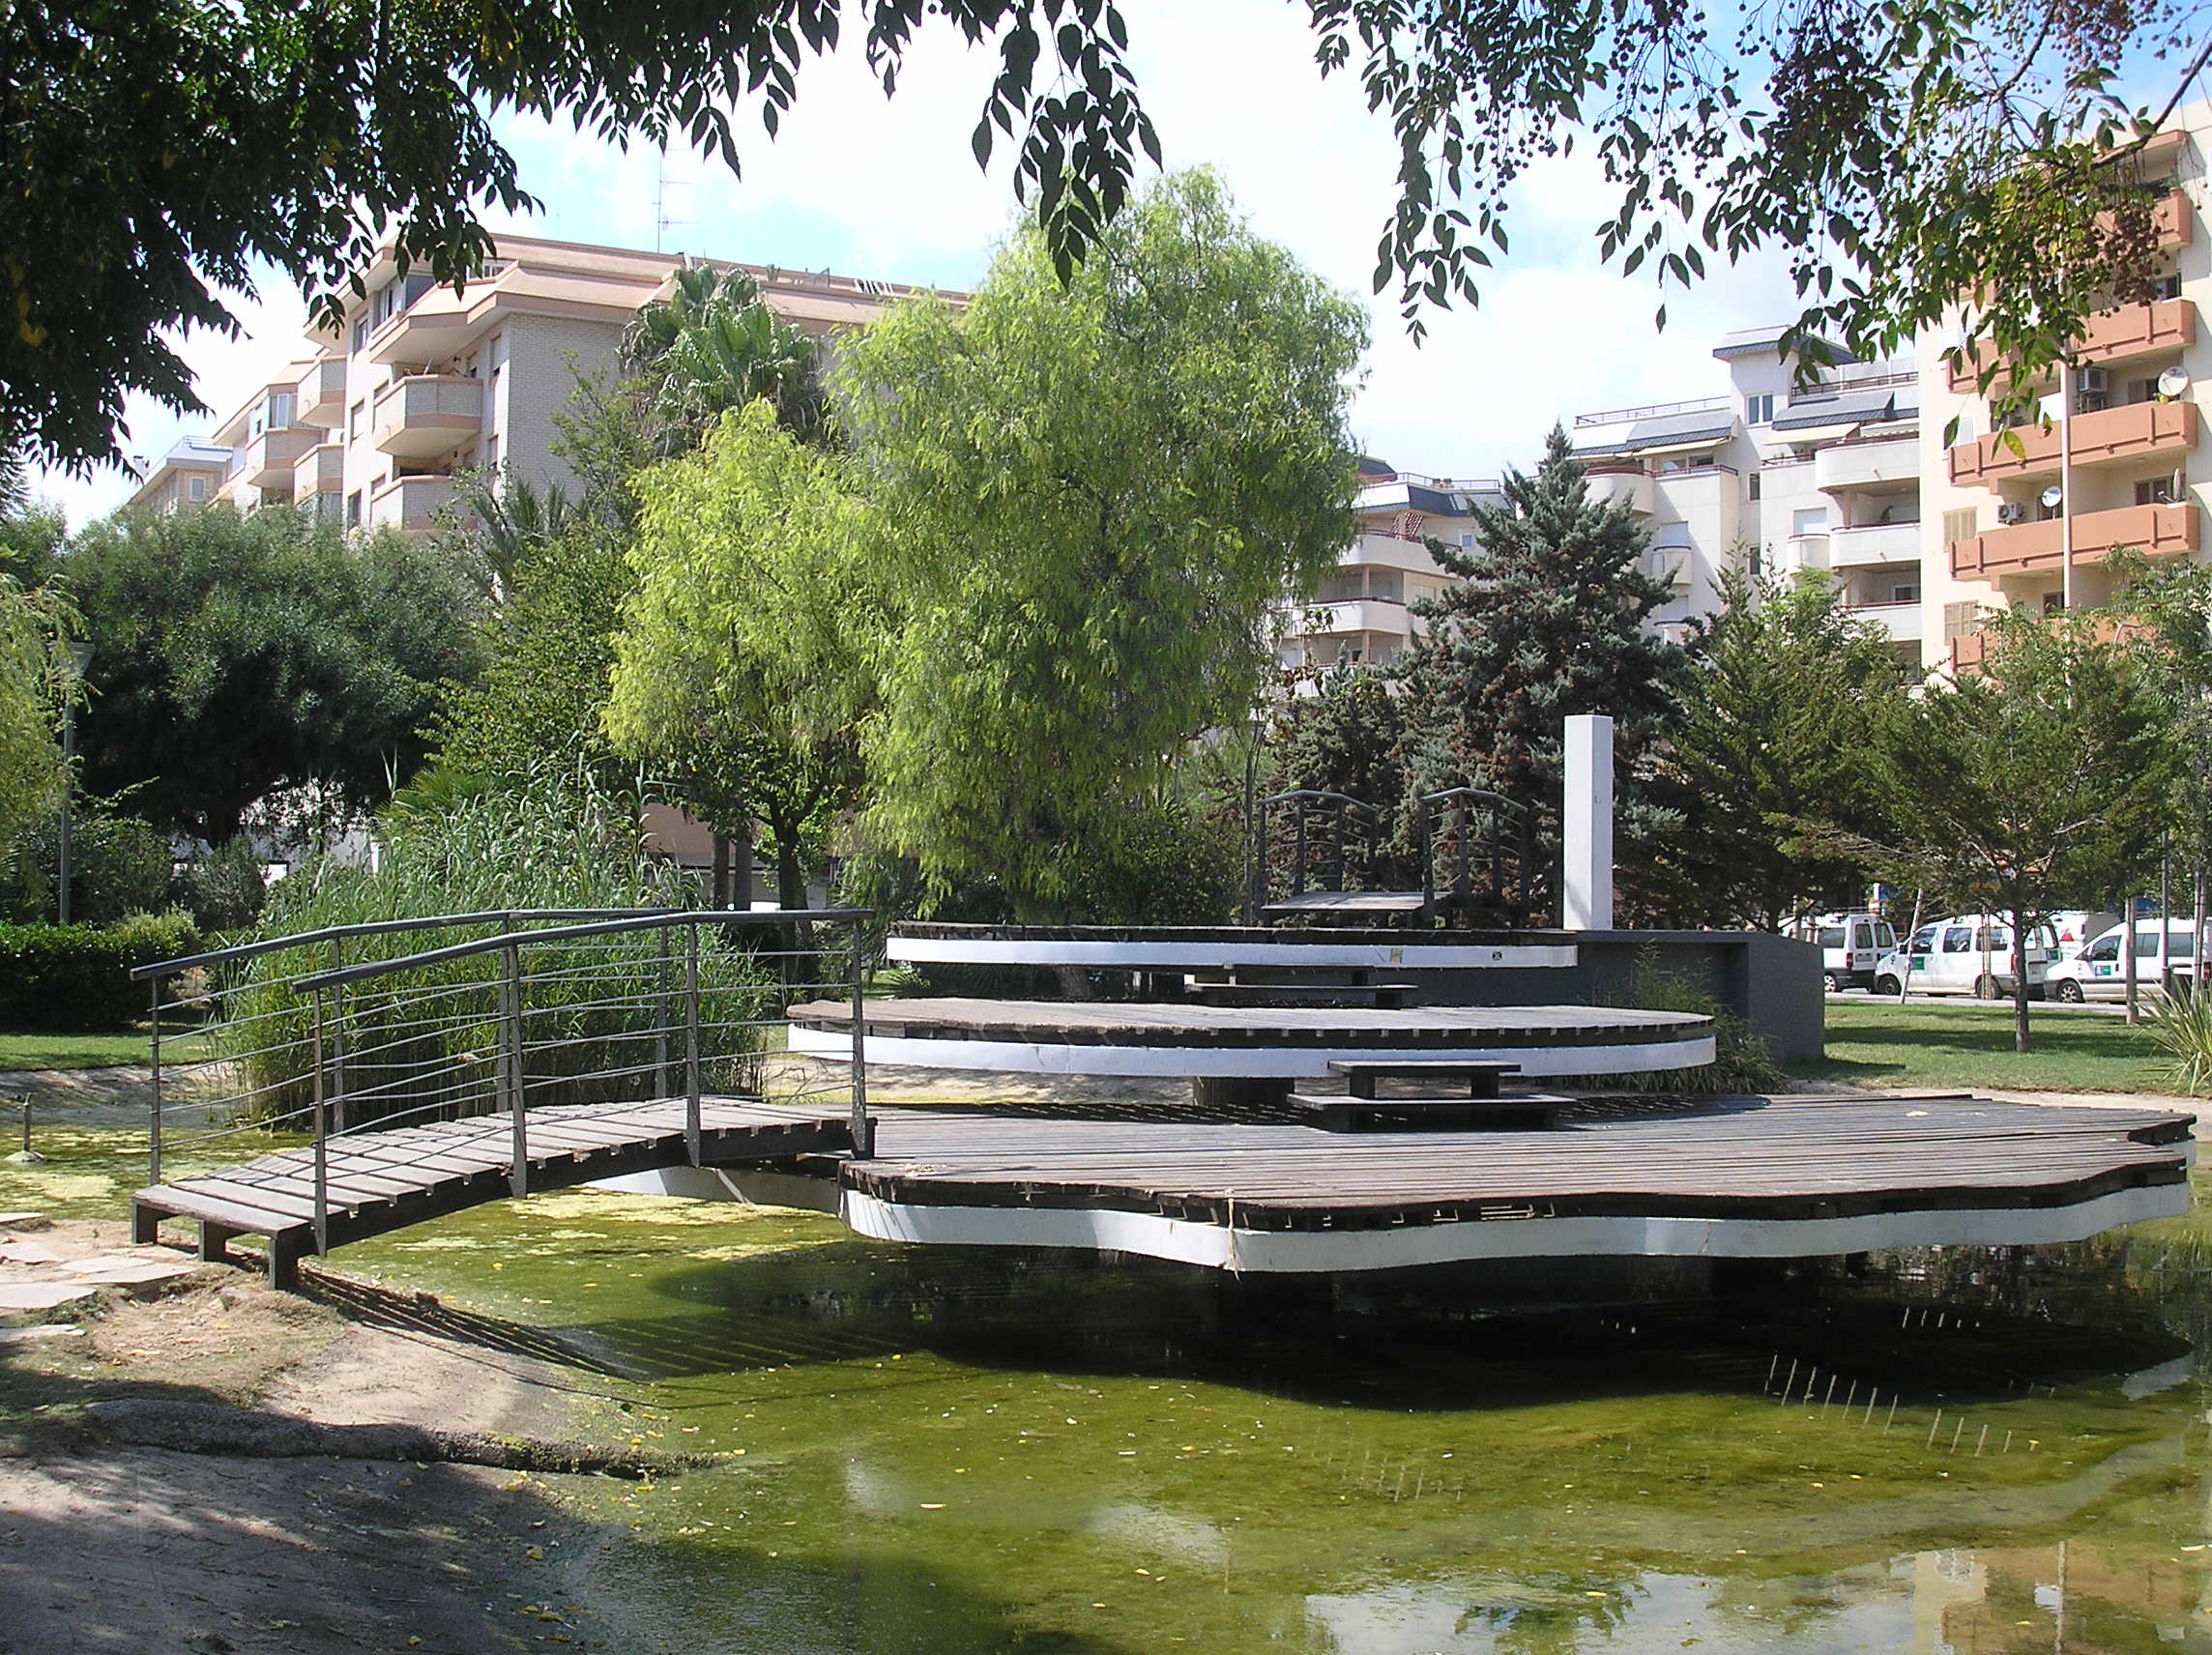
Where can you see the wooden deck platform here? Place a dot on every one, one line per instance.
(1178, 1039)
(1791, 1178)
(380, 1180)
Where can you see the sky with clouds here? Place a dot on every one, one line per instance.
(889, 189)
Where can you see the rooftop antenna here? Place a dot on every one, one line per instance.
(662, 222)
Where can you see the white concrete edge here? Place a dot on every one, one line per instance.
(1305, 1252)
(1139, 955)
(1308, 1252)
(1258, 1062)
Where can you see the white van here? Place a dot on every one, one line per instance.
(1968, 953)
(2099, 973)
(1851, 946)
(2077, 928)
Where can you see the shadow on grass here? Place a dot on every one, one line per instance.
(1968, 1045)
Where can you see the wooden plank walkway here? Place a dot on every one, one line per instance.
(380, 1180)
(1786, 1158)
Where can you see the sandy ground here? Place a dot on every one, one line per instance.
(110, 1547)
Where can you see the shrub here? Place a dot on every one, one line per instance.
(534, 843)
(224, 888)
(118, 865)
(1741, 1061)
(2180, 1027)
(72, 977)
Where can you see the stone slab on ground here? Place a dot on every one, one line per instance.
(38, 1332)
(21, 1250)
(21, 1221)
(28, 1298)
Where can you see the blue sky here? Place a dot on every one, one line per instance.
(889, 190)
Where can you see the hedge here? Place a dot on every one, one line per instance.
(70, 978)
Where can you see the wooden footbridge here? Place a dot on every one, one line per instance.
(547, 1051)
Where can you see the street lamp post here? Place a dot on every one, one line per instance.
(80, 656)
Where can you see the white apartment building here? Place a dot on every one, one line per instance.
(1770, 479)
(416, 382)
(1359, 616)
(2026, 518)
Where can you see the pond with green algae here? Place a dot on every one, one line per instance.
(946, 1450)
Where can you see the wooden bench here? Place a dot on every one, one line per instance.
(1483, 1107)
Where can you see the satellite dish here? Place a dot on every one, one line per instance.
(2052, 496)
(2173, 382)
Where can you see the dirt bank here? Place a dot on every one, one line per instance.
(111, 1545)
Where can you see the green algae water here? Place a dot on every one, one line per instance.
(941, 1450)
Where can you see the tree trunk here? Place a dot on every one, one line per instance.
(2021, 1040)
(718, 872)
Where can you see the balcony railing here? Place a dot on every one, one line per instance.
(1873, 543)
(427, 414)
(1884, 464)
(269, 458)
(321, 393)
(411, 504)
(1631, 484)
(2117, 337)
(321, 471)
(1656, 411)
(1902, 620)
(2109, 436)
(2028, 548)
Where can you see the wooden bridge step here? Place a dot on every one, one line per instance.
(1482, 1079)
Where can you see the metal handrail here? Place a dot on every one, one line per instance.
(507, 917)
(1461, 803)
(664, 919)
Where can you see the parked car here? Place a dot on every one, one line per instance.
(1851, 946)
(2098, 973)
(2075, 929)
(1968, 953)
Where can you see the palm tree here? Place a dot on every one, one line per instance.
(714, 344)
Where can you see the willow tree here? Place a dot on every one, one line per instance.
(1091, 496)
(747, 649)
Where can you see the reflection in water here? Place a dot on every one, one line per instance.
(949, 1450)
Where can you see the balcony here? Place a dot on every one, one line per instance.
(2176, 221)
(2109, 436)
(1873, 543)
(427, 415)
(2026, 548)
(1632, 484)
(1808, 552)
(2122, 335)
(1969, 649)
(321, 471)
(320, 394)
(410, 503)
(1901, 621)
(1669, 563)
(1320, 620)
(1391, 551)
(267, 460)
(1889, 463)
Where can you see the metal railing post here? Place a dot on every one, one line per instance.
(691, 1041)
(511, 1065)
(154, 1120)
(863, 1129)
(337, 1040)
(660, 1076)
(322, 1168)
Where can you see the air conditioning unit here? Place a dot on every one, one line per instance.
(2012, 512)
(2092, 381)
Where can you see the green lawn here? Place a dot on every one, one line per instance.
(1880, 1043)
(80, 1051)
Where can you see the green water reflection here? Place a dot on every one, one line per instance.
(955, 1450)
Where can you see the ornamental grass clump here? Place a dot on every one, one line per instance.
(2180, 1027)
(602, 1016)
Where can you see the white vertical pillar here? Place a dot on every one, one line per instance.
(1586, 838)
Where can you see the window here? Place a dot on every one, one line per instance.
(1904, 593)
(353, 509)
(1759, 410)
(2106, 947)
(1467, 542)
(2159, 490)
(491, 453)
(353, 420)
(1958, 939)
(2178, 945)
(1751, 486)
(1963, 428)
(2142, 390)
(281, 411)
(1831, 936)
(1924, 939)
(195, 488)
(1809, 520)
(360, 333)
(1959, 525)
(2167, 287)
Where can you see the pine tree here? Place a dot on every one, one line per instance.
(1551, 622)
(1348, 737)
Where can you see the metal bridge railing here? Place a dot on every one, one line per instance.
(609, 1008)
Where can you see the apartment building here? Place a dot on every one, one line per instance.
(2115, 456)
(1361, 615)
(1772, 478)
(416, 383)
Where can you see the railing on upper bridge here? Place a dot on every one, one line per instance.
(526, 1008)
